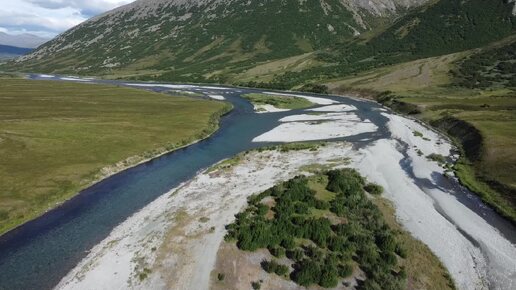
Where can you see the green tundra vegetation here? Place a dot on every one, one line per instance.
(281, 102)
(55, 137)
(329, 229)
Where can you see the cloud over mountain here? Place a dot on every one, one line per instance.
(49, 17)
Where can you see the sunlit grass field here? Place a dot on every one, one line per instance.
(55, 137)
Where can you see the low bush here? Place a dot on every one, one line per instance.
(277, 251)
(345, 270)
(373, 188)
(273, 267)
(256, 285)
(437, 158)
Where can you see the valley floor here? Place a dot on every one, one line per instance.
(57, 138)
(173, 242)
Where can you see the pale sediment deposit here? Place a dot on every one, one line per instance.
(217, 97)
(334, 108)
(323, 126)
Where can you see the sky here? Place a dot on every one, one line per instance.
(47, 18)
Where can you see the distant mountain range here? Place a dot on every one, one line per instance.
(21, 40)
(12, 46)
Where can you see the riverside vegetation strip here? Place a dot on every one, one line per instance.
(56, 138)
(471, 97)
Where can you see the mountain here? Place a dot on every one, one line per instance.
(439, 28)
(196, 40)
(274, 43)
(8, 52)
(21, 40)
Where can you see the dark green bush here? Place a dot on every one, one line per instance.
(373, 188)
(315, 88)
(346, 181)
(273, 267)
(328, 277)
(277, 251)
(296, 255)
(345, 270)
(288, 243)
(256, 285)
(262, 209)
(308, 273)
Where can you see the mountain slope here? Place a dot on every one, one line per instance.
(189, 40)
(284, 43)
(440, 28)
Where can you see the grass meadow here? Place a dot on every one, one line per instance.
(56, 137)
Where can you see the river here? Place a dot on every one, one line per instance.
(38, 254)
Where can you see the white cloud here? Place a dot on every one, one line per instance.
(50, 17)
(87, 7)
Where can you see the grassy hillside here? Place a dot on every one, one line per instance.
(440, 28)
(56, 137)
(201, 40)
(443, 27)
(265, 43)
(468, 96)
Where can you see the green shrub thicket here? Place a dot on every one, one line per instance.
(322, 251)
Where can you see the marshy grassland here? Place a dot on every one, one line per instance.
(475, 109)
(57, 138)
(280, 102)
